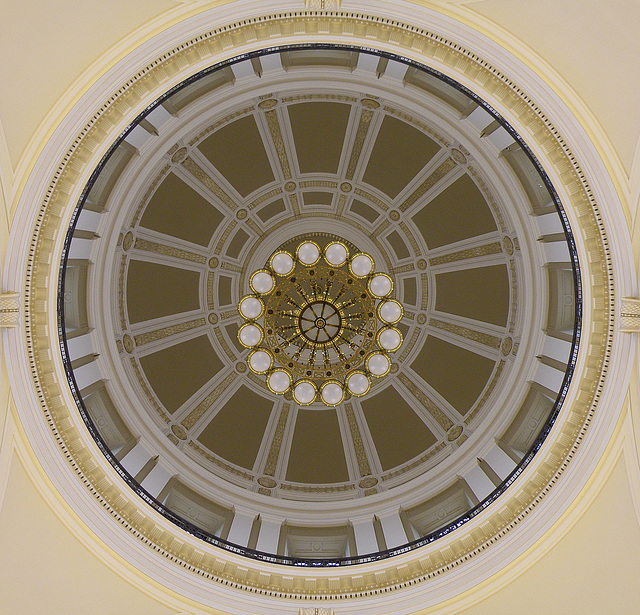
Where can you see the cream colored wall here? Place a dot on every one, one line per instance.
(594, 563)
(45, 569)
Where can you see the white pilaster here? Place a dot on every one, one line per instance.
(365, 535)
(269, 533)
(241, 526)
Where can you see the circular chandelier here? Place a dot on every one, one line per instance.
(320, 323)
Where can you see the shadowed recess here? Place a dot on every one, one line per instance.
(318, 133)
(317, 198)
(155, 290)
(458, 374)
(410, 291)
(364, 211)
(271, 210)
(236, 431)
(399, 153)
(237, 243)
(224, 290)
(237, 151)
(481, 293)
(461, 202)
(177, 372)
(323, 461)
(178, 210)
(232, 332)
(397, 431)
(398, 245)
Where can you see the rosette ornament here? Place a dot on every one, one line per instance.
(320, 323)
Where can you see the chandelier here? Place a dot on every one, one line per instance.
(320, 323)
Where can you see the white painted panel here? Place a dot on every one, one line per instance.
(271, 62)
(156, 480)
(87, 375)
(269, 534)
(158, 116)
(549, 377)
(480, 118)
(395, 70)
(393, 530)
(368, 62)
(549, 224)
(557, 252)
(135, 459)
(80, 248)
(138, 137)
(80, 346)
(88, 220)
(243, 69)
(500, 138)
(241, 527)
(500, 462)
(557, 349)
(479, 482)
(365, 537)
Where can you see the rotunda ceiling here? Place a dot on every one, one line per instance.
(319, 145)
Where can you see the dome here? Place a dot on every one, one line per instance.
(189, 184)
(316, 144)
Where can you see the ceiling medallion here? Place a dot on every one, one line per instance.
(320, 323)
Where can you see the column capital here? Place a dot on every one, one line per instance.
(630, 315)
(9, 309)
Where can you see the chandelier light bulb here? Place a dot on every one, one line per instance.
(279, 381)
(331, 393)
(336, 254)
(390, 312)
(304, 392)
(260, 361)
(251, 307)
(262, 282)
(390, 339)
(250, 335)
(361, 265)
(358, 383)
(308, 253)
(282, 263)
(378, 364)
(380, 285)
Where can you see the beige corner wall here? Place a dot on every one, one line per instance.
(594, 564)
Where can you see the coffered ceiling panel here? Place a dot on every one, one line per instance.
(155, 290)
(176, 209)
(456, 373)
(384, 412)
(411, 148)
(318, 198)
(318, 133)
(238, 153)
(317, 450)
(460, 211)
(244, 417)
(177, 372)
(481, 293)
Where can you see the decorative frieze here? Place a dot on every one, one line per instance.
(9, 310)
(630, 315)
